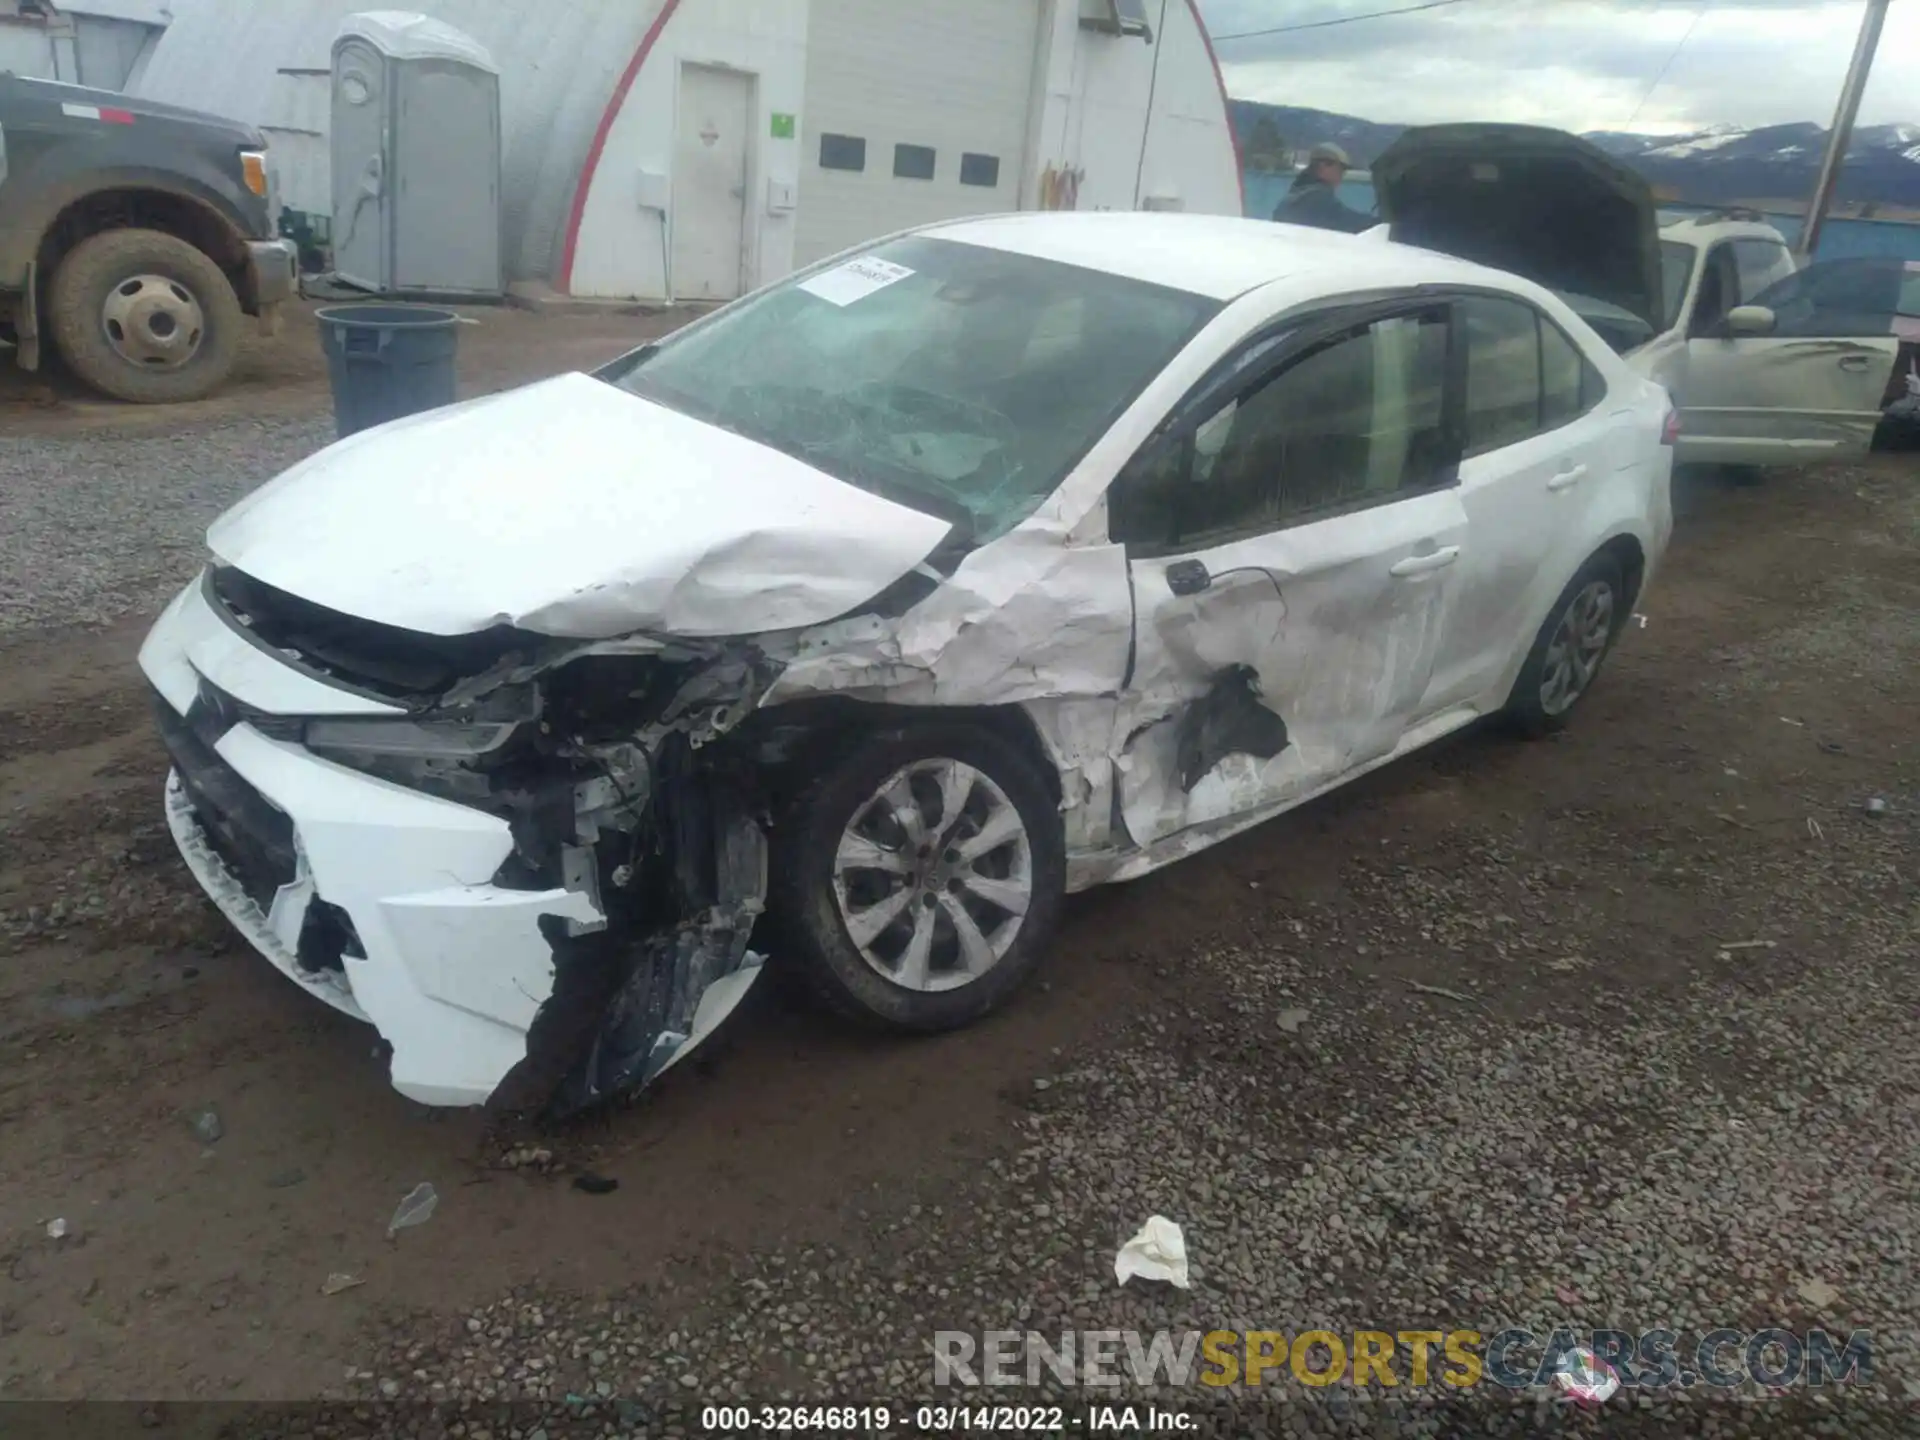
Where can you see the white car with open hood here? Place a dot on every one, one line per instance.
(994, 561)
(1769, 362)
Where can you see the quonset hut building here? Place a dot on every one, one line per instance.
(695, 149)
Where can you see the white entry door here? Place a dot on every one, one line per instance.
(710, 153)
(915, 111)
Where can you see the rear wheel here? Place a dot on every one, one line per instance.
(143, 316)
(919, 880)
(1571, 647)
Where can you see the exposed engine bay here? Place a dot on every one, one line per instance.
(617, 768)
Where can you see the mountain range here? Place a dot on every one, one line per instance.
(1719, 165)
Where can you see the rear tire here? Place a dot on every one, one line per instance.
(901, 915)
(143, 316)
(1572, 645)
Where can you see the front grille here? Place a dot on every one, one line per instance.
(384, 660)
(252, 835)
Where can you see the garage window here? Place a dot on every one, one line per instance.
(843, 152)
(913, 162)
(981, 170)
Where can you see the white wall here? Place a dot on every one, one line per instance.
(559, 62)
(619, 249)
(76, 47)
(1090, 110)
(34, 48)
(1094, 115)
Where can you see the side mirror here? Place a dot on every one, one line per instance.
(1750, 320)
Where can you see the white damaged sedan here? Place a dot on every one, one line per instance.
(858, 622)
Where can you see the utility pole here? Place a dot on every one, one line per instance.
(1843, 117)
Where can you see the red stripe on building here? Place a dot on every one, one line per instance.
(595, 150)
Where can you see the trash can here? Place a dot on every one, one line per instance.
(386, 361)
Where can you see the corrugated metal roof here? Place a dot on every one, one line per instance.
(559, 63)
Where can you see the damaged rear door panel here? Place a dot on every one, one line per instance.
(1293, 534)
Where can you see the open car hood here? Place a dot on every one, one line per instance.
(1538, 203)
(573, 509)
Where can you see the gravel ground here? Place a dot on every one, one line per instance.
(95, 528)
(1617, 1031)
(1715, 1163)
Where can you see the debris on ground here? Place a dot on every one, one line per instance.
(1876, 806)
(1158, 1252)
(527, 1157)
(337, 1282)
(591, 1184)
(1441, 991)
(415, 1209)
(205, 1124)
(1291, 1020)
(1817, 1293)
(56, 1229)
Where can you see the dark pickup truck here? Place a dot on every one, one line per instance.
(134, 238)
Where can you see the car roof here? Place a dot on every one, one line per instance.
(1702, 231)
(1219, 256)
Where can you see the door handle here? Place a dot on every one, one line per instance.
(1423, 564)
(1854, 362)
(1567, 479)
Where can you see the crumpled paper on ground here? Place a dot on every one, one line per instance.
(1158, 1252)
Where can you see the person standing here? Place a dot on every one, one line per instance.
(1314, 196)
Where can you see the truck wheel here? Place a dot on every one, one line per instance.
(145, 317)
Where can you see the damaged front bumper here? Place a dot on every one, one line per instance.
(400, 908)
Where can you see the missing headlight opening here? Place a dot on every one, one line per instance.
(620, 787)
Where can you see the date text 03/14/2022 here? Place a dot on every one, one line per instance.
(942, 1419)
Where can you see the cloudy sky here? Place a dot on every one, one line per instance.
(1576, 64)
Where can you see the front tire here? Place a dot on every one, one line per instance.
(145, 317)
(1571, 647)
(919, 880)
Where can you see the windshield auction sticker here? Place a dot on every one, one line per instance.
(855, 280)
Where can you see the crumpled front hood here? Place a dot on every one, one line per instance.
(573, 509)
(1532, 201)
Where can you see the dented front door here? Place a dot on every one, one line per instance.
(1290, 640)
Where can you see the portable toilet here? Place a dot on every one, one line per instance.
(416, 157)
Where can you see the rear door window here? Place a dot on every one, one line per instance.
(1525, 375)
(1503, 373)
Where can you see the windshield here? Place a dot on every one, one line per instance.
(959, 380)
(1676, 269)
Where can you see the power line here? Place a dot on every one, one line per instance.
(1658, 80)
(1341, 20)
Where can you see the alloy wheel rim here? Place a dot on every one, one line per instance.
(933, 876)
(1578, 646)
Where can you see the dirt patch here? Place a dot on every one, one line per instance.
(286, 373)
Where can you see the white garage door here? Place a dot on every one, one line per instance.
(915, 111)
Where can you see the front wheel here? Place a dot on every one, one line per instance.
(1567, 653)
(919, 880)
(145, 317)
